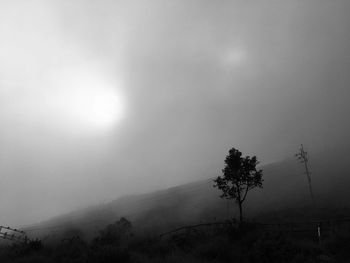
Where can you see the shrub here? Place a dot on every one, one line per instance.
(115, 233)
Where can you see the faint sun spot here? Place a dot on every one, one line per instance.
(236, 56)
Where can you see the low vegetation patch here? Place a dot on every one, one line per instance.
(228, 243)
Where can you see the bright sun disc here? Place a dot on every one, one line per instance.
(98, 108)
(88, 101)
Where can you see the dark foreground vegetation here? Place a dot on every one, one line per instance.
(229, 242)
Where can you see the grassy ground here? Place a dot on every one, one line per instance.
(248, 243)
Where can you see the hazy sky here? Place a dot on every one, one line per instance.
(104, 98)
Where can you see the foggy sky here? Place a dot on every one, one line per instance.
(197, 78)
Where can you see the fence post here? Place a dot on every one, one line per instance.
(319, 233)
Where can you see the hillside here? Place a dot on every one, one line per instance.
(284, 197)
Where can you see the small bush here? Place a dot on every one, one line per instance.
(115, 233)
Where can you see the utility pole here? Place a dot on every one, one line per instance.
(303, 158)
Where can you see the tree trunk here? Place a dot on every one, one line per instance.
(240, 212)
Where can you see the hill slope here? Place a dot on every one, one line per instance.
(285, 197)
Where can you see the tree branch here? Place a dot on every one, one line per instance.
(245, 194)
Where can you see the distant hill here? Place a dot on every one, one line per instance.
(284, 197)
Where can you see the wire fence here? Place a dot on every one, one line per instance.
(310, 229)
(318, 229)
(12, 234)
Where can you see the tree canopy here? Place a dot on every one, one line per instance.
(239, 176)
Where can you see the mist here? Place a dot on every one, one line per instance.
(192, 79)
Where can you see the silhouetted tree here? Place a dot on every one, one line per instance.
(239, 176)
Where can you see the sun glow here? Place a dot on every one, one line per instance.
(89, 100)
(96, 108)
(236, 56)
